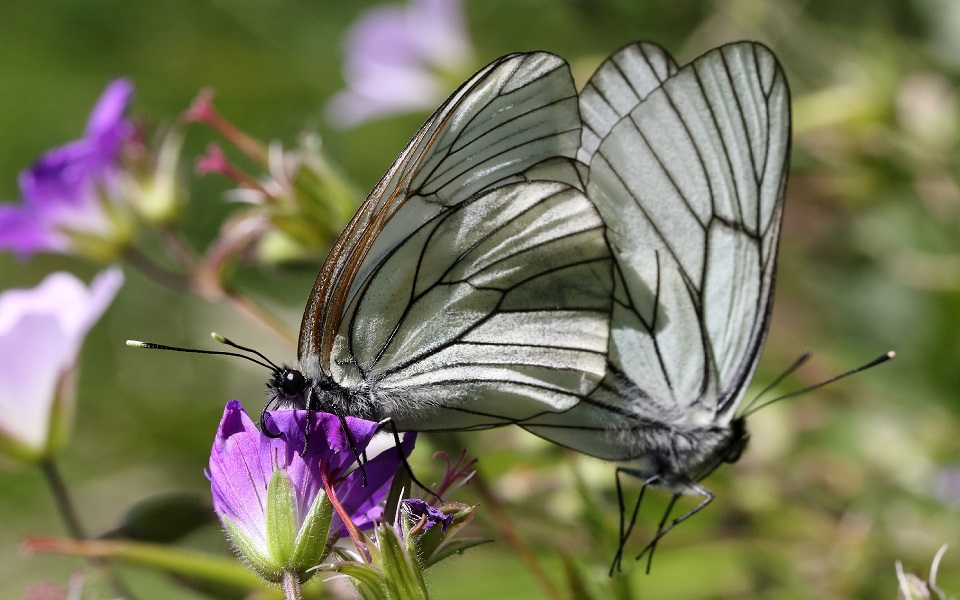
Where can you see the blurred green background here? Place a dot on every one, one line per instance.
(836, 485)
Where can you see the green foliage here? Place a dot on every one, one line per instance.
(835, 486)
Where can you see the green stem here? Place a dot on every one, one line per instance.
(62, 498)
(291, 586)
(68, 511)
(178, 283)
(151, 270)
(256, 313)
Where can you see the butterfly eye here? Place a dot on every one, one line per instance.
(292, 382)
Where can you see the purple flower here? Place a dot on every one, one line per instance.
(67, 204)
(396, 58)
(424, 516)
(41, 331)
(271, 498)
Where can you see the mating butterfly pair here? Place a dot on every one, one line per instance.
(595, 267)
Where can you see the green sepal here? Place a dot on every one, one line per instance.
(311, 545)
(247, 549)
(402, 575)
(281, 518)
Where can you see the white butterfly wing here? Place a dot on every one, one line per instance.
(690, 183)
(619, 84)
(493, 312)
(462, 278)
(513, 114)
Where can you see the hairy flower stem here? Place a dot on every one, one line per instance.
(68, 511)
(291, 586)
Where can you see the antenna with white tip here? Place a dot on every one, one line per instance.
(266, 362)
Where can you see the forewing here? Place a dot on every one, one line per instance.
(515, 113)
(690, 183)
(494, 311)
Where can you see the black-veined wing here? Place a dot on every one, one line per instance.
(466, 292)
(516, 112)
(690, 182)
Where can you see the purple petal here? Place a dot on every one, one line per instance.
(33, 358)
(22, 232)
(415, 509)
(363, 503)
(107, 128)
(237, 480)
(243, 460)
(65, 189)
(439, 30)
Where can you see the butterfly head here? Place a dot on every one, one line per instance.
(288, 388)
(737, 442)
(309, 389)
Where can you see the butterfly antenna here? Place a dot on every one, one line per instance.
(796, 365)
(216, 336)
(877, 361)
(153, 346)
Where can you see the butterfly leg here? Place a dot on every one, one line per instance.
(652, 546)
(263, 422)
(353, 447)
(691, 487)
(389, 423)
(627, 529)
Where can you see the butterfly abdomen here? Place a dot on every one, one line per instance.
(678, 456)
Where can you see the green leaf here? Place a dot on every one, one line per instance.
(454, 547)
(165, 518)
(367, 579)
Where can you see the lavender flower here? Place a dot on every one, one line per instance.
(273, 500)
(396, 58)
(67, 206)
(41, 331)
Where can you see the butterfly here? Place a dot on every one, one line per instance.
(595, 267)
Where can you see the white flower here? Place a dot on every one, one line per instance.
(396, 58)
(41, 331)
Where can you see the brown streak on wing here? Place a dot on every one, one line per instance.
(330, 291)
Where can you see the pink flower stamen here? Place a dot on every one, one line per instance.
(203, 111)
(215, 161)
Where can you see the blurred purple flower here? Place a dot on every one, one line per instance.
(395, 59)
(242, 476)
(65, 193)
(41, 331)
